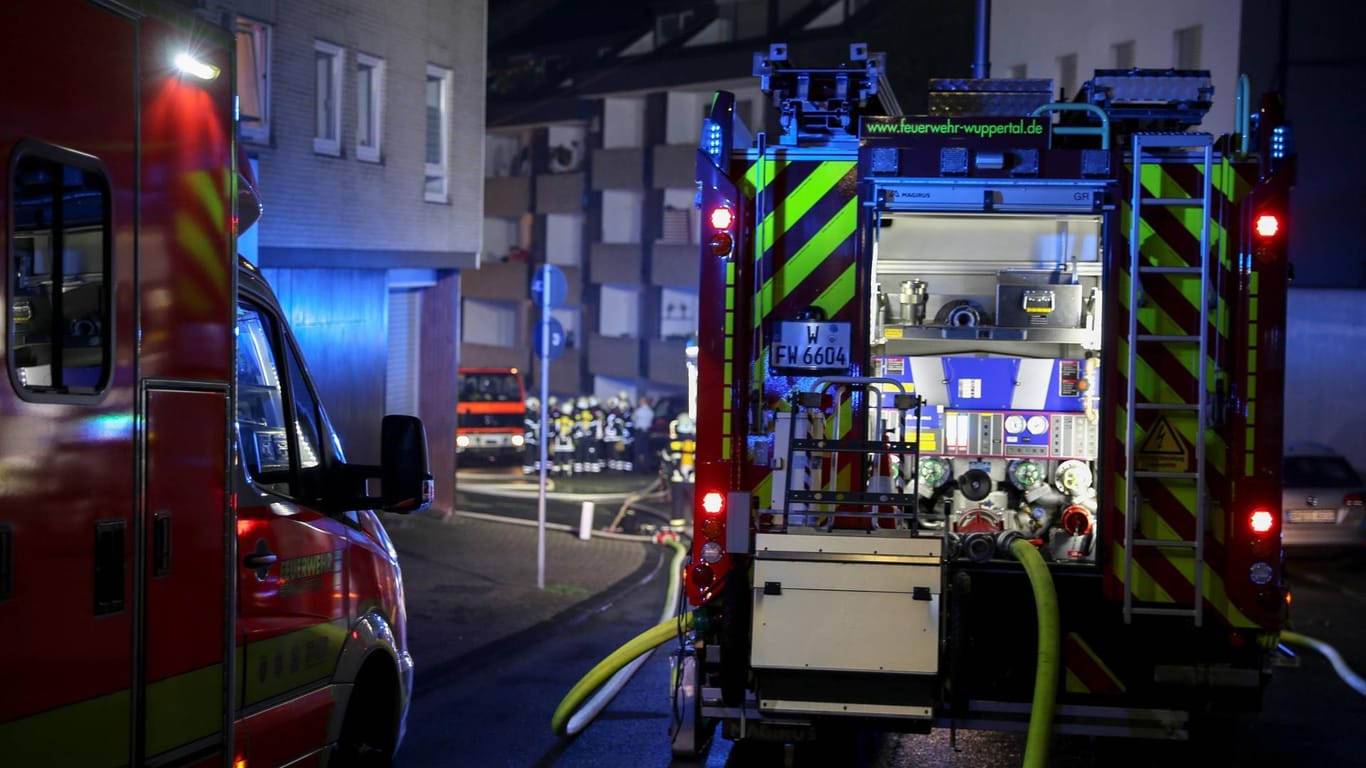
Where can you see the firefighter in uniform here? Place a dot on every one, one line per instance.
(562, 434)
(531, 457)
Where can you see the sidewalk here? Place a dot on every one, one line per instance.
(470, 579)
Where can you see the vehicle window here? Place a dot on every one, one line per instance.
(277, 419)
(1319, 472)
(490, 388)
(59, 319)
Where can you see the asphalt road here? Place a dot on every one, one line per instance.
(496, 710)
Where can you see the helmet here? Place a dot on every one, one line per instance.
(593, 402)
(567, 407)
(533, 404)
(582, 404)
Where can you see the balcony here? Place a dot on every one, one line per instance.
(566, 374)
(507, 196)
(619, 168)
(618, 358)
(497, 280)
(666, 361)
(675, 166)
(559, 193)
(488, 356)
(615, 263)
(675, 265)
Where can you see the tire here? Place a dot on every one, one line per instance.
(369, 731)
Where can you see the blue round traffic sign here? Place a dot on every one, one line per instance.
(548, 286)
(554, 339)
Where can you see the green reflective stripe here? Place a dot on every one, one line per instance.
(795, 204)
(839, 293)
(90, 733)
(810, 256)
(184, 708)
(771, 168)
(293, 660)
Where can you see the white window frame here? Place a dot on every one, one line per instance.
(438, 171)
(375, 116)
(258, 34)
(325, 119)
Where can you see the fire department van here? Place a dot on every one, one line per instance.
(190, 571)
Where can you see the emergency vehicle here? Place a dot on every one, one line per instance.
(926, 339)
(491, 413)
(190, 572)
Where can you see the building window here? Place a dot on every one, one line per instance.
(60, 326)
(1123, 54)
(491, 323)
(1067, 76)
(327, 59)
(253, 80)
(369, 106)
(438, 132)
(1019, 71)
(1188, 48)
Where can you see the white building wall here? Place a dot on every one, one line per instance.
(1038, 32)
(318, 201)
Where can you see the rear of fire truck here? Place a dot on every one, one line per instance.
(925, 338)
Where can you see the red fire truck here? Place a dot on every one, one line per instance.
(927, 339)
(491, 413)
(190, 572)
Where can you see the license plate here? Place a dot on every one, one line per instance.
(492, 441)
(1312, 516)
(822, 346)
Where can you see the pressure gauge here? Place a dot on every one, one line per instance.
(933, 471)
(1015, 424)
(1073, 477)
(1037, 425)
(1025, 474)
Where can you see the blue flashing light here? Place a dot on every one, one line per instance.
(712, 142)
(1282, 142)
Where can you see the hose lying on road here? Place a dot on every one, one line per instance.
(1352, 679)
(605, 680)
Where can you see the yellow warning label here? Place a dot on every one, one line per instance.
(1163, 449)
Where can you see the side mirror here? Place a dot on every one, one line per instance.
(406, 483)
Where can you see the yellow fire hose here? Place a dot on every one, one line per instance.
(1040, 736)
(1352, 679)
(610, 675)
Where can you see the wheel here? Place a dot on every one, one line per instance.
(369, 733)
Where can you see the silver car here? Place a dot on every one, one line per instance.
(1322, 500)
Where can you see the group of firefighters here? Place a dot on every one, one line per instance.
(589, 436)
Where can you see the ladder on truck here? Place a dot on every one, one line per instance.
(1184, 148)
(815, 446)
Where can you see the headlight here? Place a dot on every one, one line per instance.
(462, 441)
(518, 441)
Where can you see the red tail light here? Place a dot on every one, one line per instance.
(713, 502)
(1261, 521)
(1267, 225)
(722, 241)
(1352, 500)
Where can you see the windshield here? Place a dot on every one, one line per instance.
(1319, 472)
(490, 388)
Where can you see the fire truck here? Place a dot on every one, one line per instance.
(936, 349)
(491, 413)
(190, 571)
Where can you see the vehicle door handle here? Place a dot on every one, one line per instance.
(260, 559)
(256, 560)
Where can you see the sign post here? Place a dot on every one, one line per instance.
(547, 290)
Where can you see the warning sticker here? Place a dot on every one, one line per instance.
(1163, 449)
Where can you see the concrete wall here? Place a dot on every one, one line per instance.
(1325, 361)
(1037, 33)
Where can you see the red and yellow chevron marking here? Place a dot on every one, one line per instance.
(1085, 671)
(1168, 373)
